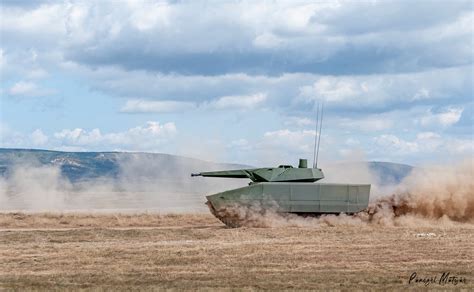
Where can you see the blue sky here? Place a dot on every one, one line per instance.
(238, 81)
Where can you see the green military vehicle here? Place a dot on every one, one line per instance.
(286, 189)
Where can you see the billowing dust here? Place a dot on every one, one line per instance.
(431, 193)
(145, 183)
(441, 194)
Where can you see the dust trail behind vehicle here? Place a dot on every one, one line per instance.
(434, 195)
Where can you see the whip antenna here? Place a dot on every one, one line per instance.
(319, 134)
(316, 135)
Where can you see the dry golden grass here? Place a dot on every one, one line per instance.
(102, 220)
(150, 251)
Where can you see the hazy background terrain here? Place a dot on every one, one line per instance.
(52, 180)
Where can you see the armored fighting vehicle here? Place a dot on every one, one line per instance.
(286, 189)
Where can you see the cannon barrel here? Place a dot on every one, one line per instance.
(238, 173)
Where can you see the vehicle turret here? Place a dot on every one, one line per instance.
(282, 173)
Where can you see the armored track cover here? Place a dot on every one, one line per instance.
(298, 198)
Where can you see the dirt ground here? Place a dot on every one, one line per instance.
(194, 251)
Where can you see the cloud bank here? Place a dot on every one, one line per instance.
(388, 73)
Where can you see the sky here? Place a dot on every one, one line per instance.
(239, 81)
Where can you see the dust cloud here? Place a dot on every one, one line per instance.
(433, 192)
(441, 195)
(145, 183)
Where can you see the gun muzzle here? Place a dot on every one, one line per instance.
(195, 174)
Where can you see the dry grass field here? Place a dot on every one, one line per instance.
(151, 251)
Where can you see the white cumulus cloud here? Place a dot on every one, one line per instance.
(369, 123)
(28, 89)
(23, 88)
(238, 101)
(447, 117)
(38, 137)
(147, 137)
(300, 141)
(395, 144)
(155, 106)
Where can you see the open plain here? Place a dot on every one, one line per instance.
(194, 251)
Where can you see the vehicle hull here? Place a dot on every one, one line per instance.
(304, 198)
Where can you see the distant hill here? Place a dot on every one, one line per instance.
(80, 166)
(389, 173)
(85, 166)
